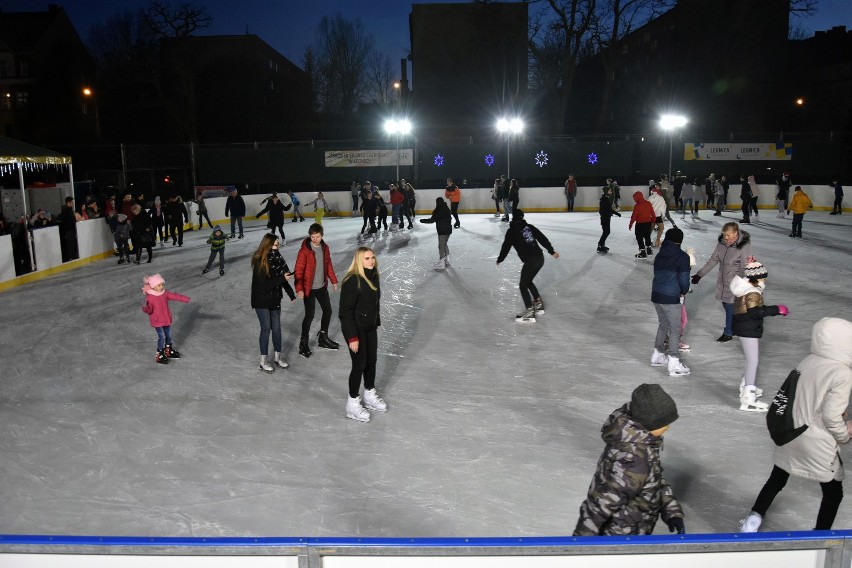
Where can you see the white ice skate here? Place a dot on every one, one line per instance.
(676, 368)
(374, 402)
(751, 523)
(355, 411)
(440, 265)
(280, 362)
(758, 392)
(539, 307)
(749, 402)
(264, 365)
(658, 359)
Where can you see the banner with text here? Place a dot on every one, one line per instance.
(368, 158)
(738, 151)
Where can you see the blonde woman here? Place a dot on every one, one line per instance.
(359, 320)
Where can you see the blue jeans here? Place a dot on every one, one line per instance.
(729, 318)
(270, 320)
(164, 336)
(237, 220)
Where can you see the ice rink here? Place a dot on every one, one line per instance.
(492, 428)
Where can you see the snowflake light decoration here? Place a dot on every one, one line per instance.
(489, 160)
(541, 159)
(593, 158)
(439, 160)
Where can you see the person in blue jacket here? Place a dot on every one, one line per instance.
(671, 282)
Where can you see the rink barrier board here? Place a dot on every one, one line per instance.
(474, 201)
(817, 549)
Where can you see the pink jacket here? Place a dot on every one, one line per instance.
(157, 307)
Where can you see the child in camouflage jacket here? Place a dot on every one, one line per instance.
(629, 491)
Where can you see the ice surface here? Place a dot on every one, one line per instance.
(492, 427)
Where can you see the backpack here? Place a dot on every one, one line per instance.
(779, 418)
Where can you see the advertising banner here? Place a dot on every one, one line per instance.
(738, 151)
(368, 158)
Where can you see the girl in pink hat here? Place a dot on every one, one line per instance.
(157, 307)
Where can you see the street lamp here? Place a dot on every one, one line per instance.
(510, 127)
(400, 127)
(89, 94)
(670, 122)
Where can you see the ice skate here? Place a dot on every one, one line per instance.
(324, 342)
(304, 350)
(279, 361)
(447, 262)
(658, 359)
(161, 357)
(527, 316)
(649, 251)
(264, 365)
(374, 402)
(355, 411)
(724, 338)
(602, 250)
(171, 352)
(538, 305)
(676, 368)
(751, 523)
(758, 392)
(641, 254)
(205, 271)
(439, 265)
(749, 402)
(457, 225)
(221, 272)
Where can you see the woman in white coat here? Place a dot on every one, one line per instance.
(822, 395)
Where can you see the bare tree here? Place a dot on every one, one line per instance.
(379, 78)
(342, 51)
(559, 33)
(182, 21)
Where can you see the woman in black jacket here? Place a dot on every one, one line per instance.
(141, 233)
(359, 320)
(276, 211)
(269, 275)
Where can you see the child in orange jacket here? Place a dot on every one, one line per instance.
(799, 205)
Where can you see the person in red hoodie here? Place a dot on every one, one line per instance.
(157, 307)
(396, 200)
(312, 287)
(644, 217)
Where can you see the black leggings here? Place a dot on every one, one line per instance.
(605, 223)
(319, 295)
(643, 235)
(364, 362)
(528, 272)
(279, 226)
(832, 495)
(454, 209)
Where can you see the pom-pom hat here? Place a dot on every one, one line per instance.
(755, 270)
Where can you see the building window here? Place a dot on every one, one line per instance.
(24, 67)
(21, 99)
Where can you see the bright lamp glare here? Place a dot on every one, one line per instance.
(671, 121)
(514, 126)
(397, 126)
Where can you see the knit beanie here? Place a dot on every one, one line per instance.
(154, 280)
(755, 270)
(652, 407)
(675, 235)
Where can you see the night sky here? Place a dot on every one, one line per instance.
(289, 25)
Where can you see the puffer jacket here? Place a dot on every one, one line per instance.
(732, 261)
(629, 491)
(800, 202)
(749, 310)
(822, 396)
(671, 274)
(658, 202)
(306, 264)
(157, 305)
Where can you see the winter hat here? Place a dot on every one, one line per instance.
(121, 217)
(755, 270)
(153, 280)
(438, 201)
(217, 228)
(652, 407)
(675, 235)
(517, 215)
(157, 200)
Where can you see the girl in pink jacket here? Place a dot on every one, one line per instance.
(157, 307)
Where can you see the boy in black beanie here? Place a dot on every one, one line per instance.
(629, 492)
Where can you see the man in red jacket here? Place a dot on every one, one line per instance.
(644, 217)
(312, 286)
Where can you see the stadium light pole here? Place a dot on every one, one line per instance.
(399, 127)
(669, 123)
(510, 126)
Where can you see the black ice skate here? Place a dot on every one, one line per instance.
(161, 357)
(171, 352)
(304, 350)
(323, 341)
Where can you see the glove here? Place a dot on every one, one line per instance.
(676, 525)
(617, 213)
(782, 309)
(696, 278)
